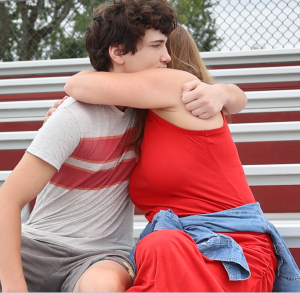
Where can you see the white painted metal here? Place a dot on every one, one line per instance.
(246, 132)
(24, 109)
(290, 231)
(282, 216)
(25, 105)
(251, 57)
(272, 169)
(4, 175)
(55, 66)
(257, 75)
(269, 110)
(270, 101)
(273, 174)
(33, 85)
(271, 131)
(62, 66)
(236, 76)
(259, 101)
(16, 140)
(22, 119)
(25, 213)
(140, 223)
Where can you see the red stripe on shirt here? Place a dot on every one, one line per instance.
(104, 161)
(109, 148)
(70, 177)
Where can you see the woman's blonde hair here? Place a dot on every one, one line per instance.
(185, 56)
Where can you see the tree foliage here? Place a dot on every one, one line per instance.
(44, 29)
(197, 17)
(51, 29)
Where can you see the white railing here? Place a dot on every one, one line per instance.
(236, 76)
(251, 57)
(272, 101)
(64, 66)
(258, 101)
(244, 132)
(257, 75)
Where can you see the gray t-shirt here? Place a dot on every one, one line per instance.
(86, 204)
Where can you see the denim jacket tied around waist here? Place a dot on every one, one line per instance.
(246, 218)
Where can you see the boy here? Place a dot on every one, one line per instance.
(79, 235)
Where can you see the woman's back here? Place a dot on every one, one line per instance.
(188, 171)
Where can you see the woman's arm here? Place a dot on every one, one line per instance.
(28, 179)
(159, 88)
(236, 100)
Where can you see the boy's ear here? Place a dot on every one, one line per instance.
(115, 53)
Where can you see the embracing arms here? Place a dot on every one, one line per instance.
(148, 89)
(201, 99)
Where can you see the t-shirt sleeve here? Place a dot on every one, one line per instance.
(57, 139)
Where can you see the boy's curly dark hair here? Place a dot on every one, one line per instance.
(123, 22)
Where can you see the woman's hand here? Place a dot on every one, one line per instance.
(52, 110)
(205, 100)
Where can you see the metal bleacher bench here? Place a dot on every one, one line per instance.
(259, 101)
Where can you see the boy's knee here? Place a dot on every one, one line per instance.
(102, 278)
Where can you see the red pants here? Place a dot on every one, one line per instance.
(170, 261)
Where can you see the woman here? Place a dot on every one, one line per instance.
(209, 233)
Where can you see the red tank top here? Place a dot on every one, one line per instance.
(191, 172)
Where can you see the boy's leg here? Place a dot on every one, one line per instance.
(107, 271)
(41, 261)
(104, 276)
(49, 267)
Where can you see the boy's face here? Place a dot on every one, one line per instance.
(152, 53)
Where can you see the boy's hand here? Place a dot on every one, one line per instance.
(51, 110)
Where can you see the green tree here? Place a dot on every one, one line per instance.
(198, 18)
(51, 29)
(43, 29)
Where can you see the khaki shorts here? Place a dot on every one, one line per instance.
(48, 267)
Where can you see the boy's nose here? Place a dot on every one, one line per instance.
(166, 58)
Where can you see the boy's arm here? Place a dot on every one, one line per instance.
(155, 89)
(205, 100)
(28, 179)
(148, 89)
